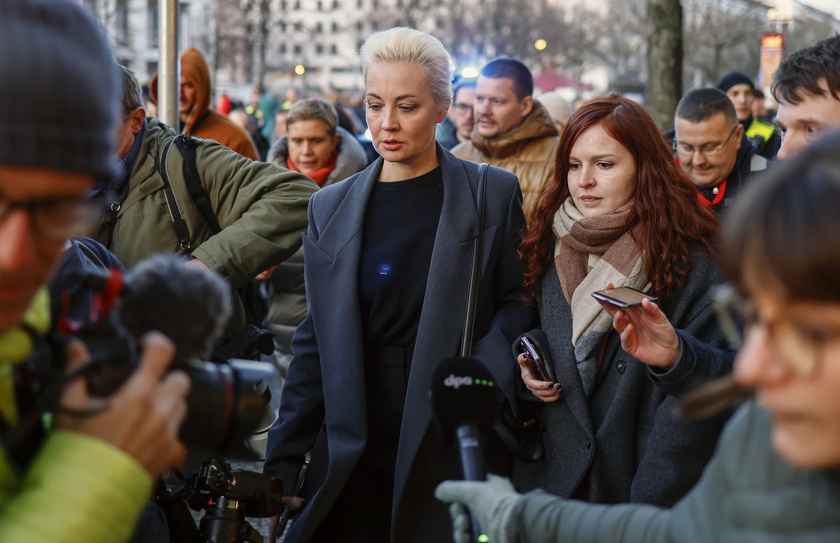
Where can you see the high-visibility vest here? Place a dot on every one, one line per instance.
(759, 133)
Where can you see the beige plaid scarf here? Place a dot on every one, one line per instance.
(588, 254)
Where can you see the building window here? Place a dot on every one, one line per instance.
(283, 49)
(319, 49)
(319, 28)
(298, 27)
(320, 5)
(335, 27)
(333, 49)
(359, 4)
(152, 30)
(298, 49)
(122, 21)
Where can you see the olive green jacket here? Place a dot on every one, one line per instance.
(260, 207)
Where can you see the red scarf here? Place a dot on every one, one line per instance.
(319, 176)
(718, 197)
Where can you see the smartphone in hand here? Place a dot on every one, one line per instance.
(622, 297)
(539, 368)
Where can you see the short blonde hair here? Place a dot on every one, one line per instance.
(403, 44)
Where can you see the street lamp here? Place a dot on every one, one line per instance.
(540, 44)
(300, 69)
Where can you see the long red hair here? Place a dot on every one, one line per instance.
(669, 221)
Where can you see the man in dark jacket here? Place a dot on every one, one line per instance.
(740, 88)
(712, 148)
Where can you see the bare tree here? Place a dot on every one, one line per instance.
(806, 33)
(722, 36)
(664, 60)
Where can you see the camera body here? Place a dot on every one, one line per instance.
(228, 401)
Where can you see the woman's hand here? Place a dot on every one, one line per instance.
(544, 390)
(645, 332)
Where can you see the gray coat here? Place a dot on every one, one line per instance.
(323, 405)
(622, 443)
(748, 494)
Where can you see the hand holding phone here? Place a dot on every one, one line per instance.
(622, 297)
(539, 368)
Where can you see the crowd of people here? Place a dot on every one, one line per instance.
(363, 252)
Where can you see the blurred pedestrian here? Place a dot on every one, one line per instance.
(740, 88)
(197, 119)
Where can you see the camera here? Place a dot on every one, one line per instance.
(227, 497)
(228, 401)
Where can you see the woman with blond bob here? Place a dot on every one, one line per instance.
(388, 255)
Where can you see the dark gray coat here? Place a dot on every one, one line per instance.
(622, 443)
(323, 405)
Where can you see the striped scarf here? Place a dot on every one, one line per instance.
(588, 254)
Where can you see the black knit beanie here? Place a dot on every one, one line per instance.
(58, 88)
(734, 78)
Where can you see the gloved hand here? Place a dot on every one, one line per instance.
(491, 502)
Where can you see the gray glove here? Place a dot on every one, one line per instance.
(492, 503)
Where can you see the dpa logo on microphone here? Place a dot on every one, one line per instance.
(456, 382)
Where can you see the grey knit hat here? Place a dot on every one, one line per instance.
(58, 88)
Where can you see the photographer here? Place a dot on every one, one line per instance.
(90, 478)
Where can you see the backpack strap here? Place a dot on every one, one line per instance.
(178, 223)
(187, 145)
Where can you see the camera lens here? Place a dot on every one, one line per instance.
(226, 404)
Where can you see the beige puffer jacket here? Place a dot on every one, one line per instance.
(527, 151)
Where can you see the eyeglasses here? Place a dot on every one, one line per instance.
(707, 150)
(801, 347)
(57, 218)
(462, 107)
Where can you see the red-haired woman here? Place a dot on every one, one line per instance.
(619, 212)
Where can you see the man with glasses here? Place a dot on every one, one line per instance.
(712, 148)
(87, 474)
(460, 119)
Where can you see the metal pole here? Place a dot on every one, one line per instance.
(169, 67)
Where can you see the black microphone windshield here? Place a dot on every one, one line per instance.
(463, 392)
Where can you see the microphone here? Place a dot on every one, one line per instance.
(465, 401)
(189, 305)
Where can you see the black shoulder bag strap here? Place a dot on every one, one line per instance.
(255, 308)
(522, 436)
(187, 146)
(472, 291)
